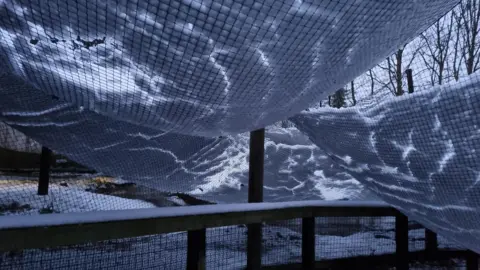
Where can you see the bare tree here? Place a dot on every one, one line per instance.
(469, 13)
(352, 87)
(456, 63)
(372, 81)
(394, 68)
(437, 44)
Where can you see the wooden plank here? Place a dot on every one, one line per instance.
(308, 243)
(21, 232)
(44, 176)
(196, 249)
(431, 242)
(341, 211)
(401, 241)
(255, 195)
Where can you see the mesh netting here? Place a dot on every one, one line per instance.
(144, 104)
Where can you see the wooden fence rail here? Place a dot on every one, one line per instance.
(26, 232)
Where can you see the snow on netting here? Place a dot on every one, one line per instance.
(146, 104)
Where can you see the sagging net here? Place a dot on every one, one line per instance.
(159, 94)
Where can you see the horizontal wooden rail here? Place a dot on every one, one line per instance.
(23, 232)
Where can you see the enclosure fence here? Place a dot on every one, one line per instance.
(296, 235)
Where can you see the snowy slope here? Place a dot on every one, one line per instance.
(418, 152)
(61, 200)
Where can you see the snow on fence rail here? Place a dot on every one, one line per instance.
(54, 230)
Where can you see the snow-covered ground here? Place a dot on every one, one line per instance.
(60, 200)
(419, 153)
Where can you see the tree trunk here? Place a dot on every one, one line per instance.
(398, 72)
(354, 100)
(372, 82)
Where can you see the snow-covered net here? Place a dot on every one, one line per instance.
(145, 104)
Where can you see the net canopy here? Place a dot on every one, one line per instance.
(150, 91)
(201, 67)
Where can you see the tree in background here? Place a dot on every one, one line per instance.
(469, 16)
(436, 48)
(454, 65)
(372, 81)
(338, 99)
(394, 68)
(352, 90)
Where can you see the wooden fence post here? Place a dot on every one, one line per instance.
(431, 242)
(472, 260)
(255, 194)
(308, 243)
(196, 249)
(409, 80)
(44, 176)
(401, 241)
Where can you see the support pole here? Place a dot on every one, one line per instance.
(44, 176)
(472, 260)
(401, 241)
(308, 243)
(255, 194)
(196, 249)
(409, 80)
(431, 243)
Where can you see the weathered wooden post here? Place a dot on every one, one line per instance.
(401, 241)
(472, 260)
(255, 194)
(431, 242)
(308, 243)
(196, 249)
(44, 175)
(409, 80)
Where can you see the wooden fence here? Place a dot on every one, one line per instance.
(54, 230)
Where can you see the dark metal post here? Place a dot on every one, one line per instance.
(409, 80)
(472, 260)
(431, 242)
(308, 243)
(44, 176)
(401, 240)
(196, 249)
(255, 194)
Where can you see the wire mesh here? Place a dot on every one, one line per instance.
(227, 247)
(340, 237)
(282, 242)
(166, 251)
(130, 90)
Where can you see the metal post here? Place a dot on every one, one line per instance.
(196, 249)
(431, 242)
(44, 176)
(255, 194)
(308, 243)
(401, 240)
(409, 80)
